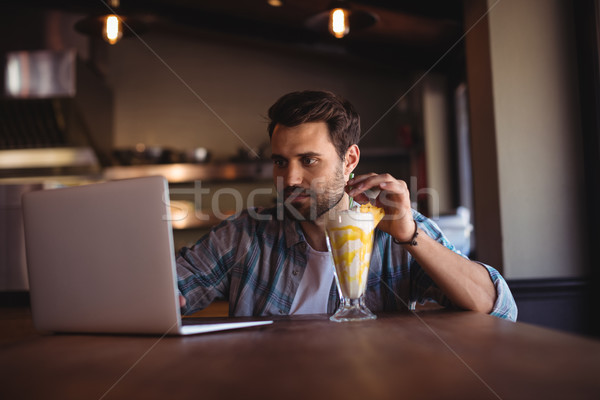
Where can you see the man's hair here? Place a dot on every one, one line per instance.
(343, 122)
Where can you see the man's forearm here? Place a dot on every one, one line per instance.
(466, 283)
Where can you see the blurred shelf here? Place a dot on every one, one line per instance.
(185, 216)
(37, 163)
(179, 173)
(54, 157)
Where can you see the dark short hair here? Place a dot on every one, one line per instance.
(297, 108)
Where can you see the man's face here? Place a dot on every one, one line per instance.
(308, 173)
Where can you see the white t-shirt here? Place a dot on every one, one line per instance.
(313, 292)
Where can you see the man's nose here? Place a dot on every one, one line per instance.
(293, 175)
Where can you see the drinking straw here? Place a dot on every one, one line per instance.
(351, 199)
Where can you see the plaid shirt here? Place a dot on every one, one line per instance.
(256, 262)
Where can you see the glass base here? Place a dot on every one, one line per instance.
(352, 310)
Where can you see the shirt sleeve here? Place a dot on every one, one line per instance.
(505, 306)
(203, 271)
(423, 287)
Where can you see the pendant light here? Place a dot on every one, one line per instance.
(340, 19)
(339, 24)
(111, 26)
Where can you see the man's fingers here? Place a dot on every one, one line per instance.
(361, 198)
(362, 183)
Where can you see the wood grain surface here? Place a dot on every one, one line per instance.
(425, 355)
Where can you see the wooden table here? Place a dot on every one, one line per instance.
(427, 355)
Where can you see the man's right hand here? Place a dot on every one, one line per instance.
(182, 301)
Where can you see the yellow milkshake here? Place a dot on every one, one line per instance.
(350, 236)
(351, 240)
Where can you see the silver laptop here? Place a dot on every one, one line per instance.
(100, 259)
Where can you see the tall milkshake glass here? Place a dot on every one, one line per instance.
(350, 241)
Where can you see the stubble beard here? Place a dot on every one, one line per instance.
(322, 198)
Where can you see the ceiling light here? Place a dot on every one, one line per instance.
(339, 25)
(112, 29)
(275, 3)
(340, 18)
(111, 26)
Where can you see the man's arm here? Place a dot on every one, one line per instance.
(202, 270)
(466, 283)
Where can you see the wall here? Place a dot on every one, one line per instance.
(538, 138)
(206, 90)
(437, 143)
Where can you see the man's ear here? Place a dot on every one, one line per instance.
(351, 159)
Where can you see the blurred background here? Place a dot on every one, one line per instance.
(486, 108)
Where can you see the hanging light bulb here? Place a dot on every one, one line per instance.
(112, 26)
(112, 29)
(339, 25)
(337, 18)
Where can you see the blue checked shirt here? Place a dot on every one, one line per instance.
(256, 262)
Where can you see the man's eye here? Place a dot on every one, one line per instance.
(309, 161)
(278, 163)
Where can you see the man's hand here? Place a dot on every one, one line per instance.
(182, 301)
(394, 198)
(466, 283)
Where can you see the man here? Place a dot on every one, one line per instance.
(275, 261)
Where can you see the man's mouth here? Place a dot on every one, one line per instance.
(295, 194)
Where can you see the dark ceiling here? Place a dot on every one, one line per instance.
(405, 29)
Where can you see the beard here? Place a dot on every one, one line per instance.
(308, 204)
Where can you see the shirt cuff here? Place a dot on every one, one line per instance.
(504, 306)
